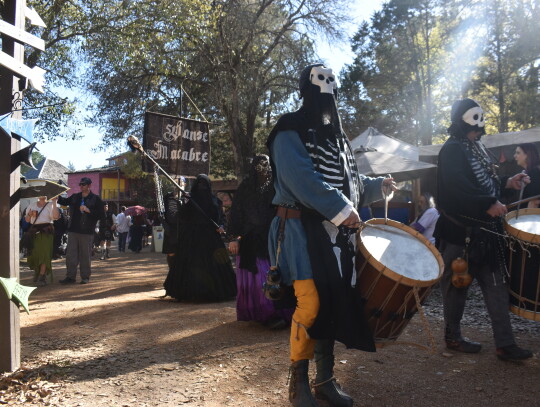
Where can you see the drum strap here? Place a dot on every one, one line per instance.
(453, 220)
(468, 229)
(424, 320)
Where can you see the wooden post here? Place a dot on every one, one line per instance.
(118, 191)
(416, 191)
(10, 355)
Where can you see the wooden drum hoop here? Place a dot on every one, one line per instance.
(391, 298)
(519, 281)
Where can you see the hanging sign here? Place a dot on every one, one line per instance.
(180, 146)
(23, 128)
(35, 75)
(16, 292)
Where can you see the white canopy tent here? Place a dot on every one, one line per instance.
(373, 139)
(375, 163)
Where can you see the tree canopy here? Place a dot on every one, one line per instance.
(414, 57)
(235, 63)
(239, 60)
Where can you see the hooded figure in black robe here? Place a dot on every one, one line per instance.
(251, 215)
(201, 269)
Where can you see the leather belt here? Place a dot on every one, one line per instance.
(288, 213)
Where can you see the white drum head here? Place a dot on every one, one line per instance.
(400, 252)
(526, 223)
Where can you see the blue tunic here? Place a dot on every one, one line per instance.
(297, 182)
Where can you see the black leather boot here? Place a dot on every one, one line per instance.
(325, 384)
(299, 391)
(460, 344)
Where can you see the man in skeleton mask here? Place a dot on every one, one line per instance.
(318, 194)
(468, 197)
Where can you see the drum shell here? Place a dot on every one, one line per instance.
(524, 268)
(389, 301)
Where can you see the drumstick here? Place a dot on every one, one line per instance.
(522, 201)
(520, 197)
(387, 197)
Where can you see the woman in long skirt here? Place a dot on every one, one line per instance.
(251, 215)
(41, 215)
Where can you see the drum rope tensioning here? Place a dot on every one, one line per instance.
(522, 238)
(396, 269)
(524, 262)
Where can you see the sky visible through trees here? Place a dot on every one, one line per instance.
(402, 63)
(86, 152)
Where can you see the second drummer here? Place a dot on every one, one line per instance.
(468, 197)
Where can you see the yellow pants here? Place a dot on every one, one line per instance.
(307, 307)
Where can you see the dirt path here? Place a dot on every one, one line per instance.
(114, 342)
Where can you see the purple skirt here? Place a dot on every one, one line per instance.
(251, 304)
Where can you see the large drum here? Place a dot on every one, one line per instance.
(524, 262)
(394, 261)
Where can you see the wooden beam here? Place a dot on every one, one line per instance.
(21, 36)
(10, 353)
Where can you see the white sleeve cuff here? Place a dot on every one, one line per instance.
(342, 215)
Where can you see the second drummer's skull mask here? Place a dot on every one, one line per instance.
(474, 116)
(324, 78)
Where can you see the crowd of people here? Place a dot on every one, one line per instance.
(87, 227)
(291, 231)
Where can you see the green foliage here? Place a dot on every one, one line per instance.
(415, 57)
(507, 75)
(222, 160)
(37, 157)
(239, 61)
(131, 167)
(68, 23)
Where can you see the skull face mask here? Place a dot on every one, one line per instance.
(324, 78)
(474, 116)
(467, 116)
(318, 87)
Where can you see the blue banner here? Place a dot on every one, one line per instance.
(23, 128)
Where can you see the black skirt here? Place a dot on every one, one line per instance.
(201, 270)
(341, 316)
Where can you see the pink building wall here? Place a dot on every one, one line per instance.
(74, 179)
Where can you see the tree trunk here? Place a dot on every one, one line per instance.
(428, 134)
(503, 114)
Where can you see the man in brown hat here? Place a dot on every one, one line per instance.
(85, 209)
